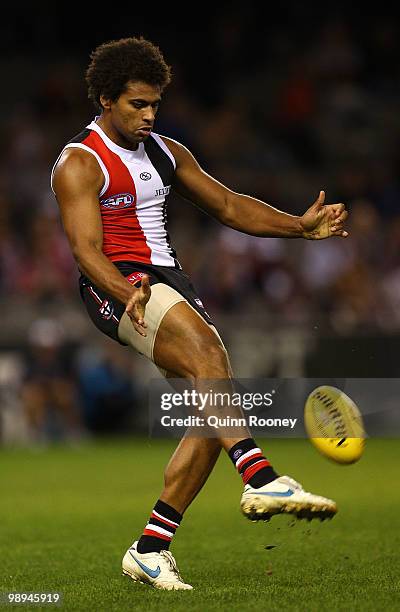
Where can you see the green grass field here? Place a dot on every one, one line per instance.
(67, 516)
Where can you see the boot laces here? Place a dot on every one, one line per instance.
(291, 482)
(171, 562)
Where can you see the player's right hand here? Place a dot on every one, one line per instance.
(324, 220)
(136, 306)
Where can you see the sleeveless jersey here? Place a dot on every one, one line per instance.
(133, 199)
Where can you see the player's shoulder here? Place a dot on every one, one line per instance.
(177, 149)
(173, 145)
(76, 159)
(76, 166)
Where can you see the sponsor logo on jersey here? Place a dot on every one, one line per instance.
(145, 176)
(135, 277)
(163, 191)
(116, 202)
(106, 309)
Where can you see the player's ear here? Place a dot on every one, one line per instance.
(105, 102)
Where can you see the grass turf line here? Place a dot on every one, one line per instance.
(67, 516)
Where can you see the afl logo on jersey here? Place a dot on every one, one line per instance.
(121, 200)
(145, 176)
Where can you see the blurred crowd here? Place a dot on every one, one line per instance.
(276, 116)
(320, 113)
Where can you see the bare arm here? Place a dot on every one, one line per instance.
(247, 214)
(77, 182)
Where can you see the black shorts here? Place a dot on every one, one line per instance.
(106, 312)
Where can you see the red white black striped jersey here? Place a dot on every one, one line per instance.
(133, 198)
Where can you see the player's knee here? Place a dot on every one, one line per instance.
(210, 362)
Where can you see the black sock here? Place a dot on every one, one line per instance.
(251, 464)
(160, 529)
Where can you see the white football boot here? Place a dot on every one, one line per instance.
(284, 495)
(157, 569)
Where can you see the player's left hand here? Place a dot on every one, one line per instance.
(136, 306)
(324, 220)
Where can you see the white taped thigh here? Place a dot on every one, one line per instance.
(162, 298)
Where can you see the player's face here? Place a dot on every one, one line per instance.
(133, 114)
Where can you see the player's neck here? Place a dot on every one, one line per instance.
(114, 135)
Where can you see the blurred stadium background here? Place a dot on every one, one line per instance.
(279, 109)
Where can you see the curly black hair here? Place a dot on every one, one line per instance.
(115, 63)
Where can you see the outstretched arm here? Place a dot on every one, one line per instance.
(247, 214)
